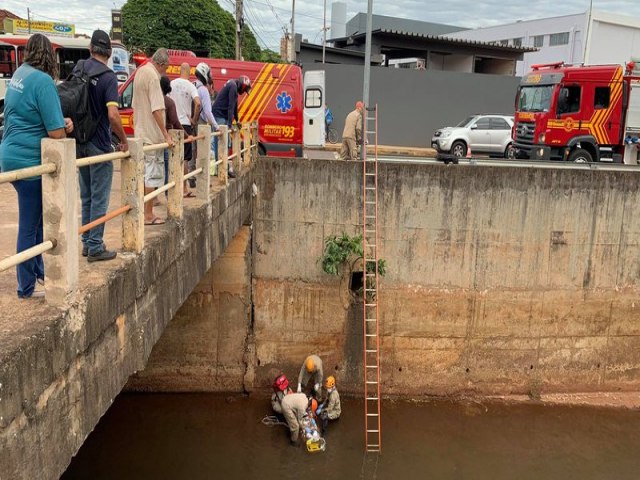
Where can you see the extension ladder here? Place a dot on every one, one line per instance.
(370, 283)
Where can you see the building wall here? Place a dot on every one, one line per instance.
(612, 40)
(571, 53)
(413, 104)
(500, 280)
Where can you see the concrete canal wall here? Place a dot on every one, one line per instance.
(500, 280)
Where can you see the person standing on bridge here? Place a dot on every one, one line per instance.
(95, 180)
(188, 105)
(32, 112)
(352, 134)
(149, 124)
(225, 107)
(310, 377)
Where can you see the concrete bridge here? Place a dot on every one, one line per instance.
(501, 281)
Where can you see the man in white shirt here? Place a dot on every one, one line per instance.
(185, 94)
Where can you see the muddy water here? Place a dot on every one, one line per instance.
(201, 436)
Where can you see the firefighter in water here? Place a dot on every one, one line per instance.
(311, 376)
(330, 408)
(280, 390)
(294, 407)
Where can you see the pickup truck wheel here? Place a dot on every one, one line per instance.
(458, 149)
(580, 155)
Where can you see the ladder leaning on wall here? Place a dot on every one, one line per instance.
(373, 433)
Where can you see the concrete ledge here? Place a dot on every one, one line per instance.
(59, 376)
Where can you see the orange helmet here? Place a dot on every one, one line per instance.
(330, 382)
(313, 405)
(310, 364)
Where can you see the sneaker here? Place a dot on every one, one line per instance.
(232, 174)
(102, 256)
(40, 281)
(38, 292)
(85, 249)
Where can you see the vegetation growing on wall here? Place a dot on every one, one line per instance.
(342, 253)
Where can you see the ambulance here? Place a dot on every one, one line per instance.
(289, 108)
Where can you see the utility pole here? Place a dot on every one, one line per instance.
(587, 38)
(324, 31)
(29, 19)
(239, 24)
(367, 57)
(292, 50)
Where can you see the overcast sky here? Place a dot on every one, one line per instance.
(268, 18)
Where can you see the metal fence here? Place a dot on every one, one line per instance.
(59, 170)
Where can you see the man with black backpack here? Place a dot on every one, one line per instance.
(97, 122)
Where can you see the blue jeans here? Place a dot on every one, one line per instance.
(29, 233)
(214, 142)
(95, 190)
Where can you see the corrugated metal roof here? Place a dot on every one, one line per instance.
(458, 41)
(444, 40)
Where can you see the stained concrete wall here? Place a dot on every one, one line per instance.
(501, 280)
(204, 347)
(57, 382)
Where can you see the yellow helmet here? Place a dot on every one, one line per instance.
(310, 365)
(330, 382)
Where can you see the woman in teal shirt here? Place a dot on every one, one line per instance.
(32, 112)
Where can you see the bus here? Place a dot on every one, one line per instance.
(67, 50)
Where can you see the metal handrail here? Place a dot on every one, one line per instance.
(104, 219)
(27, 254)
(158, 191)
(197, 171)
(105, 157)
(22, 173)
(51, 168)
(155, 146)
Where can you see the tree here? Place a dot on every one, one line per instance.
(198, 25)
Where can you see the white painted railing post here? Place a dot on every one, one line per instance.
(132, 192)
(237, 160)
(176, 173)
(255, 137)
(203, 160)
(246, 145)
(60, 220)
(223, 154)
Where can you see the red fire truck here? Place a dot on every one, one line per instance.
(275, 100)
(578, 113)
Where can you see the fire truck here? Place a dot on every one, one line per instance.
(286, 114)
(578, 113)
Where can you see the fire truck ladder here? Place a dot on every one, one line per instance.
(373, 435)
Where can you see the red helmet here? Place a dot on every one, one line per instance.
(280, 384)
(244, 84)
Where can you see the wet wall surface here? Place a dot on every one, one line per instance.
(207, 436)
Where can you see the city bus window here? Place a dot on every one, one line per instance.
(7, 61)
(68, 57)
(20, 55)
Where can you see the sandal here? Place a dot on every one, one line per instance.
(155, 221)
(189, 194)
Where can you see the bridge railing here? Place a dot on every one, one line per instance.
(59, 171)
